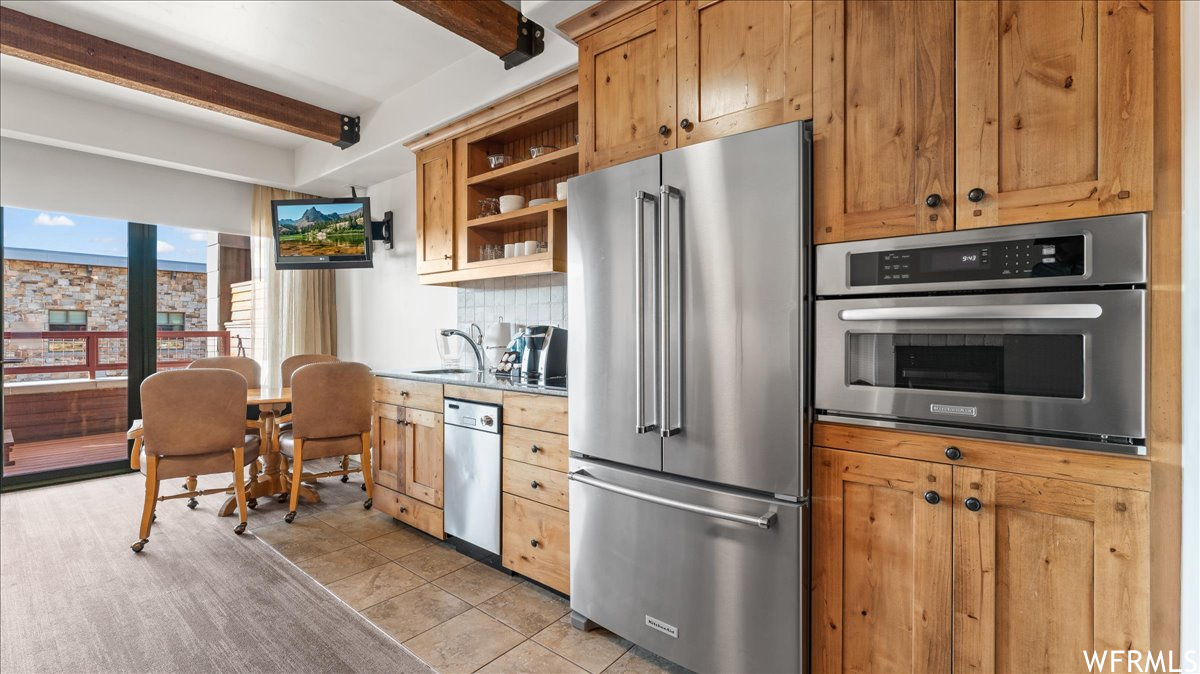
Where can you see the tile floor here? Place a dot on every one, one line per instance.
(454, 613)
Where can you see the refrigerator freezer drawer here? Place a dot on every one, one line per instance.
(708, 578)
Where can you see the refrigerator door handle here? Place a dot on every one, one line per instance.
(666, 424)
(763, 521)
(639, 308)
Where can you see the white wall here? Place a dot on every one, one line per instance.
(1190, 601)
(48, 178)
(385, 318)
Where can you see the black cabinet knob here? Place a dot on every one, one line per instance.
(976, 195)
(933, 498)
(403, 509)
(686, 124)
(533, 542)
(933, 200)
(534, 484)
(535, 449)
(973, 504)
(953, 453)
(664, 130)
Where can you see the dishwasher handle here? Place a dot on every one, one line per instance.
(763, 521)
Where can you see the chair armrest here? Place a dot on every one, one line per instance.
(135, 456)
(136, 430)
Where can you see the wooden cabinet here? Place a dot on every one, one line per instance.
(627, 89)
(883, 129)
(408, 452)
(536, 541)
(423, 456)
(678, 73)
(387, 470)
(1055, 110)
(435, 208)
(881, 564)
(742, 65)
(1045, 570)
(933, 563)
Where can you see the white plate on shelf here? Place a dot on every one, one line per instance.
(539, 202)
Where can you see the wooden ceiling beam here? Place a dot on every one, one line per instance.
(492, 24)
(51, 44)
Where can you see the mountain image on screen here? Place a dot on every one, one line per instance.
(320, 230)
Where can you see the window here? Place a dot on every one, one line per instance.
(170, 320)
(66, 319)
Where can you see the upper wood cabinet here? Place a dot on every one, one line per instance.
(742, 65)
(1055, 110)
(1045, 570)
(627, 89)
(883, 126)
(435, 208)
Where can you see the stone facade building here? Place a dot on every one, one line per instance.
(48, 290)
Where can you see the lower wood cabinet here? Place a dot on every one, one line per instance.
(923, 566)
(536, 541)
(408, 453)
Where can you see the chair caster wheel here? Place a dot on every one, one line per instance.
(345, 478)
(240, 529)
(289, 517)
(367, 504)
(362, 487)
(185, 486)
(252, 503)
(137, 547)
(282, 498)
(154, 517)
(192, 503)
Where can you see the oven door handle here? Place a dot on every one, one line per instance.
(999, 312)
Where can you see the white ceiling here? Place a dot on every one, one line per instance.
(347, 56)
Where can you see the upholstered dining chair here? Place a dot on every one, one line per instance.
(192, 424)
(248, 368)
(286, 369)
(331, 416)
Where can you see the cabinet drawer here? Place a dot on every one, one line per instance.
(519, 479)
(548, 450)
(409, 510)
(422, 395)
(536, 542)
(543, 413)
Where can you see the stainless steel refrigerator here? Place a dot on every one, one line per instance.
(688, 305)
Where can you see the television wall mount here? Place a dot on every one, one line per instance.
(381, 230)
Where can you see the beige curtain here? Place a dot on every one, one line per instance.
(294, 311)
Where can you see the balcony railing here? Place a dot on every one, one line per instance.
(81, 350)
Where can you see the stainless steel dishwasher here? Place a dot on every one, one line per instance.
(472, 473)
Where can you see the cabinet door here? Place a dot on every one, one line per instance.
(423, 461)
(627, 89)
(387, 469)
(1055, 110)
(883, 118)
(435, 208)
(1045, 570)
(742, 65)
(881, 564)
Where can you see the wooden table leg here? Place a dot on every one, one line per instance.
(271, 481)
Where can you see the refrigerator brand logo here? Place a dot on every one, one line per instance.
(661, 626)
(959, 410)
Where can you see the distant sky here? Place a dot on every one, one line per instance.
(293, 212)
(49, 230)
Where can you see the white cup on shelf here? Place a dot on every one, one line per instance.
(510, 250)
(560, 191)
(530, 247)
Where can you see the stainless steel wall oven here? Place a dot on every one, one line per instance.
(1034, 333)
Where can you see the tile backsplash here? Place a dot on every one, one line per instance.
(528, 300)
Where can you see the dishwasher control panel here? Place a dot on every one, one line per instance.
(467, 414)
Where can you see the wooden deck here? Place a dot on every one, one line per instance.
(44, 455)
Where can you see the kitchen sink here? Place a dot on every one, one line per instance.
(450, 370)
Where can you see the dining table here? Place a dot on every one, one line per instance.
(271, 481)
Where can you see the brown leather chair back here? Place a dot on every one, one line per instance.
(194, 411)
(247, 367)
(293, 363)
(331, 400)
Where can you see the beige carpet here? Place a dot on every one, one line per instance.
(74, 598)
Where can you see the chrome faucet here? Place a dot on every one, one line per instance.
(481, 365)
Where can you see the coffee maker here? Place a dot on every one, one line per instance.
(544, 358)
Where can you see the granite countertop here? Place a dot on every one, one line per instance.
(479, 379)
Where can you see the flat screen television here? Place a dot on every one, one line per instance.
(322, 233)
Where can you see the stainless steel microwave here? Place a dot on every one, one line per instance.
(1034, 333)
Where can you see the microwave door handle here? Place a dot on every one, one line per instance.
(1000, 312)
(639, 307)
(763, 521)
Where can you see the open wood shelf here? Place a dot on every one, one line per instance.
(520, 259)
(557, 164)
(533, 216)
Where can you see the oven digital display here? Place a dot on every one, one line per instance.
(1025, 258)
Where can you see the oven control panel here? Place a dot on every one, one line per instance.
(1041, 257)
